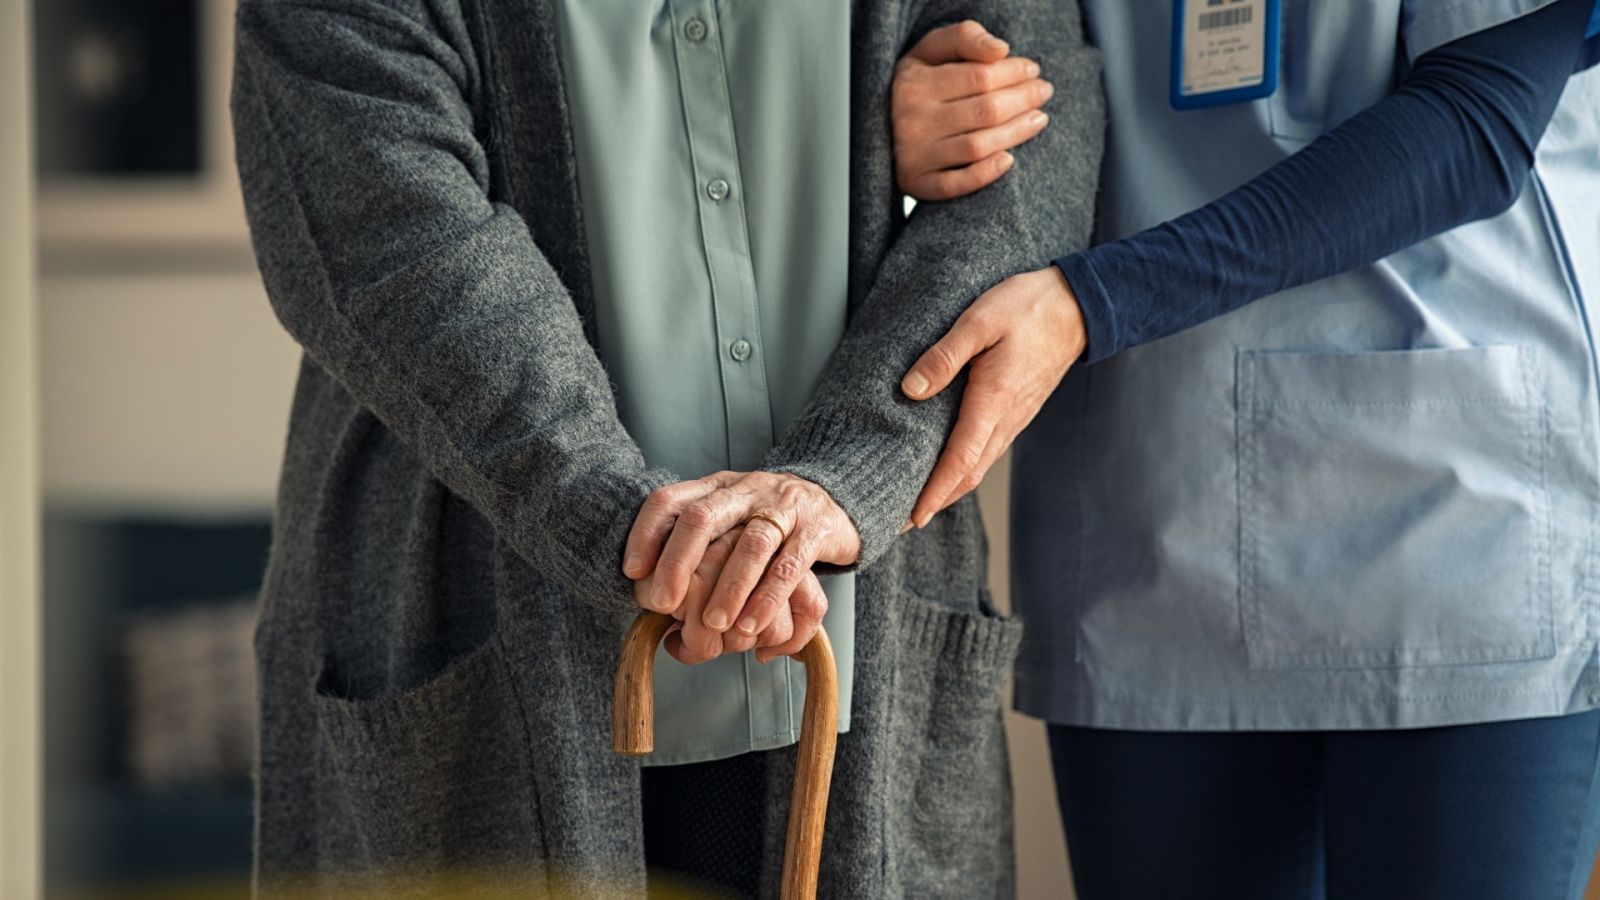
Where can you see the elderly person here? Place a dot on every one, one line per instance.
(549, 259)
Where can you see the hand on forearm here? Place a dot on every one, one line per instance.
(1017, 342)
(704, 552)
(958, 105)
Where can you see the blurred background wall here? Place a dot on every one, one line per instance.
(164, 386)
(19, 509)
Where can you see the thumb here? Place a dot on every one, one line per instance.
(966, 41)
(939, 365)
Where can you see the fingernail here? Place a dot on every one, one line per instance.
(1007, 161)
(907, 526)
(914, 384)
(1049, 90)
(993, 43)
(716, 620)
(1039, 119)
(631, 564)
(658, 600)
(1033, 69)
(747, 625)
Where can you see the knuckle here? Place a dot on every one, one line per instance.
(697, 515)
(761, 541)
(763, 602)
(970, 147)
(943, 358)
(659, 500)
(813, 606)
(969, 455)
(793, 493)
(788, 568)
(989, 110)
(944, 186)
(980, 79)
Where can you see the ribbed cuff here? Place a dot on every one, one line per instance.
(1094, 301)
(590, 529)
(863, 477)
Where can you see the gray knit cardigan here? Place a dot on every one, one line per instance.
(444, 603)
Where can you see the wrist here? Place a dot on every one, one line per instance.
(1065, 303)
(1094, 309)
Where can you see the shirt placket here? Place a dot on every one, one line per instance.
(719, 196)
(724, 236)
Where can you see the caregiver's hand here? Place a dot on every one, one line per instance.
(958, 103)
(771, 558)
(1020, 337)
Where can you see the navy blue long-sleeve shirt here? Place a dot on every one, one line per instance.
(1453, 144)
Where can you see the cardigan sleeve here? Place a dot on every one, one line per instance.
(383, 256)
(861, 439)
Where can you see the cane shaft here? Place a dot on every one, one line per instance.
(633, 734)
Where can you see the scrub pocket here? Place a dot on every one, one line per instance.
(1393, 508)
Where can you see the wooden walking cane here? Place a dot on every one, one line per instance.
(633, 734)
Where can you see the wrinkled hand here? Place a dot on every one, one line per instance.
(805, 608)
(762, 569)
(1019, 337)
(958, 103)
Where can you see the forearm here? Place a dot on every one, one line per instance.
(1452, 145)
(382, 255)
(861, 439)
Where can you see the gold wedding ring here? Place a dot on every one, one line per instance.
(770, 517)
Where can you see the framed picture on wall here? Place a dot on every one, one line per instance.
(134, 145)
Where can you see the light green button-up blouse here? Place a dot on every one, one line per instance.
(713, 139)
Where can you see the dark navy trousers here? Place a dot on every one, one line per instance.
(1500, 811)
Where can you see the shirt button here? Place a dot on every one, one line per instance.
(740, 350)
(717, 189)
(695, 30)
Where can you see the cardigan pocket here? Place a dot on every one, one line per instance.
(947, 725)
(1393, 509)
(435, 782)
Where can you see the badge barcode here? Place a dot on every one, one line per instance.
(1224, 18)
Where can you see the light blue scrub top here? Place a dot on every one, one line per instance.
(1370, 502)
(713, 141)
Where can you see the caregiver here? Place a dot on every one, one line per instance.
(1306, 540)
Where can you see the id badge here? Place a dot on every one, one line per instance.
(1223, 51)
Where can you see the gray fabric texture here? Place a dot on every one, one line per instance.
(443, 606)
